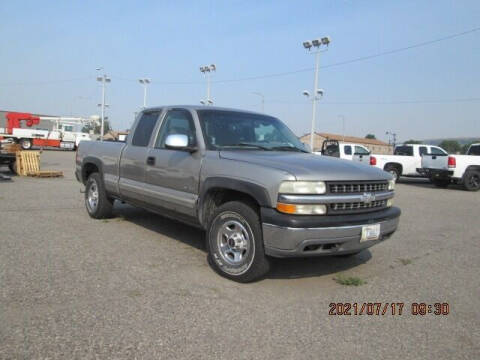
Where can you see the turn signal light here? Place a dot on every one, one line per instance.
(373, 160)
(286, 208)
(452, 162)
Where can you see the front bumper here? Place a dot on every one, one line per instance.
(338, 236)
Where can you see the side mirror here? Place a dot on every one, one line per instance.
(178, 142)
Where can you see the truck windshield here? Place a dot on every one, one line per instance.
(231, 129)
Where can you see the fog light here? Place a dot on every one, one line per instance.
(389, 202)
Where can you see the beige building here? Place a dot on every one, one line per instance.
(374, 145)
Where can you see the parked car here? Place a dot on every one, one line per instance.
(347, 151)
(247, 180)
(7, 158)
(458, 169)
(406, 159)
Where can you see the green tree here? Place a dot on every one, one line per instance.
(96, 128)
(451, 146)
(411, 141)
(370, 136)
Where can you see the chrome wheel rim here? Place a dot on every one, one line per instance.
(26, 144)
(92, 197)
(233, 242)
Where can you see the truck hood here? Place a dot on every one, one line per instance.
(309, 166)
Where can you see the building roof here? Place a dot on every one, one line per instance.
(351, 139)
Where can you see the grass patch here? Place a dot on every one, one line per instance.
(349, 280)
(405, 261)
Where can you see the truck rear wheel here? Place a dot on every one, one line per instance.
(471, 180)
(394, 171)
(98, 205)
(26, 144)
(235, 243)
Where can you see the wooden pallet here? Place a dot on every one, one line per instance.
(28, 164)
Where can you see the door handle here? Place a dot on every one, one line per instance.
(151, 160)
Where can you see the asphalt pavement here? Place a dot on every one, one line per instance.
(138, 286)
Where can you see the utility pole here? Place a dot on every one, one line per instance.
(393, 136)
(206, 70)
(103, 79)
(343, 126)
(317, 43)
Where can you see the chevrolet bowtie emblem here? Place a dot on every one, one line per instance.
(367, 198)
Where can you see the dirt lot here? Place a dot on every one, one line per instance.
(138, 285)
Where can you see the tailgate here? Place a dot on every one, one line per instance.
(430, 161)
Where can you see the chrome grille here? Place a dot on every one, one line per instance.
(356, 206)
(349, 188)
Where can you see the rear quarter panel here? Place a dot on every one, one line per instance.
(106, 156)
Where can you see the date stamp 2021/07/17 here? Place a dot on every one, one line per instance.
(388, 308)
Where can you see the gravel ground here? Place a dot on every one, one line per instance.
(138, 286)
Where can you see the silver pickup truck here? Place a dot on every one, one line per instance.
(247, 180)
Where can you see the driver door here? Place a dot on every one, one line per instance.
(172, 175)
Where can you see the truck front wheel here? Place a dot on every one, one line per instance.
(98, 205)
(235, 243)
(26, 144)
(471, 180)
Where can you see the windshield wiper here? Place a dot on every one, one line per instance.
(245, 144)
(288, 148)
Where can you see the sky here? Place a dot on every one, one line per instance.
(50, 51)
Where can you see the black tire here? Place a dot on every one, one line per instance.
(441, 183)
(98, 206)
(471, 180)
(242, 224)
(26, 144)
(13, 167)
(394, 171)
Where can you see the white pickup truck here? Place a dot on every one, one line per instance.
(347, 151)
(458, 169)
(406, 159)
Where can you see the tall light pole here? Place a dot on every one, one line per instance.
(318, 45)
(263, 100)
(144, 82)
(206, 70)
(103, 79)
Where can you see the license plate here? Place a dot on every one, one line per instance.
(370, 232)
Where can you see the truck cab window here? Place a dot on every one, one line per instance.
(360, 150)
(437, 151)
(348, 150)
(404, 150)
(474, 150)
(422, 150)
(144, 129)
(176, 122)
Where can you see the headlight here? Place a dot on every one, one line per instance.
(302, 187)
(389, 202)
(298, 209)
(391, 184)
